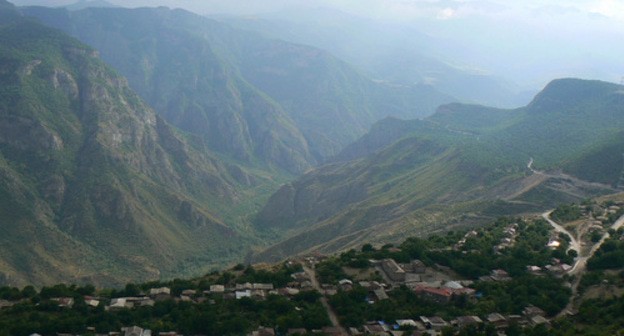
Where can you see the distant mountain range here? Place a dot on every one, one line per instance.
(390, 52)
(286, 104)
(456, 167)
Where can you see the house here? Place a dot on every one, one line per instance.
(453, 285)
(217, 289)
(534, 269)
(536, 320)
(288, 291)
(418, 266)
(500, 275)
(262, 331)
(434, 322)
(439, 295)
(517, 319)
(393, 270)
(464, 321)
(160, 294)
(376, 329)
(244, 286)
(92, 302)
(497, 320)
(370, 285)
(332, 331)
(464, 291)
(189, 292)
(412, 277)
(263, 286)
(300, 276)
(380, 294)
(258, 294)
(241, 294)
(120, 303)
(135, 331)
(64, 302)
(143, 302)
(354, 332)
(407, 323)
(296, 332)
(531, 311)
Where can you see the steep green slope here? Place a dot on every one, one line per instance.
(286, 104)
(93, 184)
(424, 175)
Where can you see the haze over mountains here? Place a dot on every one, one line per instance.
(139, 144)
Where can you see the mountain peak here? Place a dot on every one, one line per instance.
(567, 92)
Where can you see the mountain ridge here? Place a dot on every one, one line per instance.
(480, 170)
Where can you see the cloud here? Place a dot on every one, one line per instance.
(610, 8)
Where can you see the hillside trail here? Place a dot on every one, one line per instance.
(330, 311)
(575, 180)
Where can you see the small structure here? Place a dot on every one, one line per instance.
(537, 320)
(464, 321)
(160, 294)
(500, 275)
(376, 329)
(242, 294)
(439, 295)
(262, 331)
(217, 289)
(531, 311)
(434, 322)
(418, 267)
(393, 270)
(497, 320)
(380, 294)
(263, 286)
(135, 331)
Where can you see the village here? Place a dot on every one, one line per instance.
(435, 283)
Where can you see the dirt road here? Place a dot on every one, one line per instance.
(330, 311)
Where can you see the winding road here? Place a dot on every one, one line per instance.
(580, 264)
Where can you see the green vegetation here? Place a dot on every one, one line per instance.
(567, 213)
(100, 188)
(214, 314)
(403, 172)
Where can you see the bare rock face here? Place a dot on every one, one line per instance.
(64, 81)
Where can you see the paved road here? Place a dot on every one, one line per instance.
(330, 311)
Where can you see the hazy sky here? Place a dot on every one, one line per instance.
(514, 38)
(394, 9)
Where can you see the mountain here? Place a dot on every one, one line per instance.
(461, 165)
(394, 52)
(284, 104)
(82, 4)
(94, 185)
